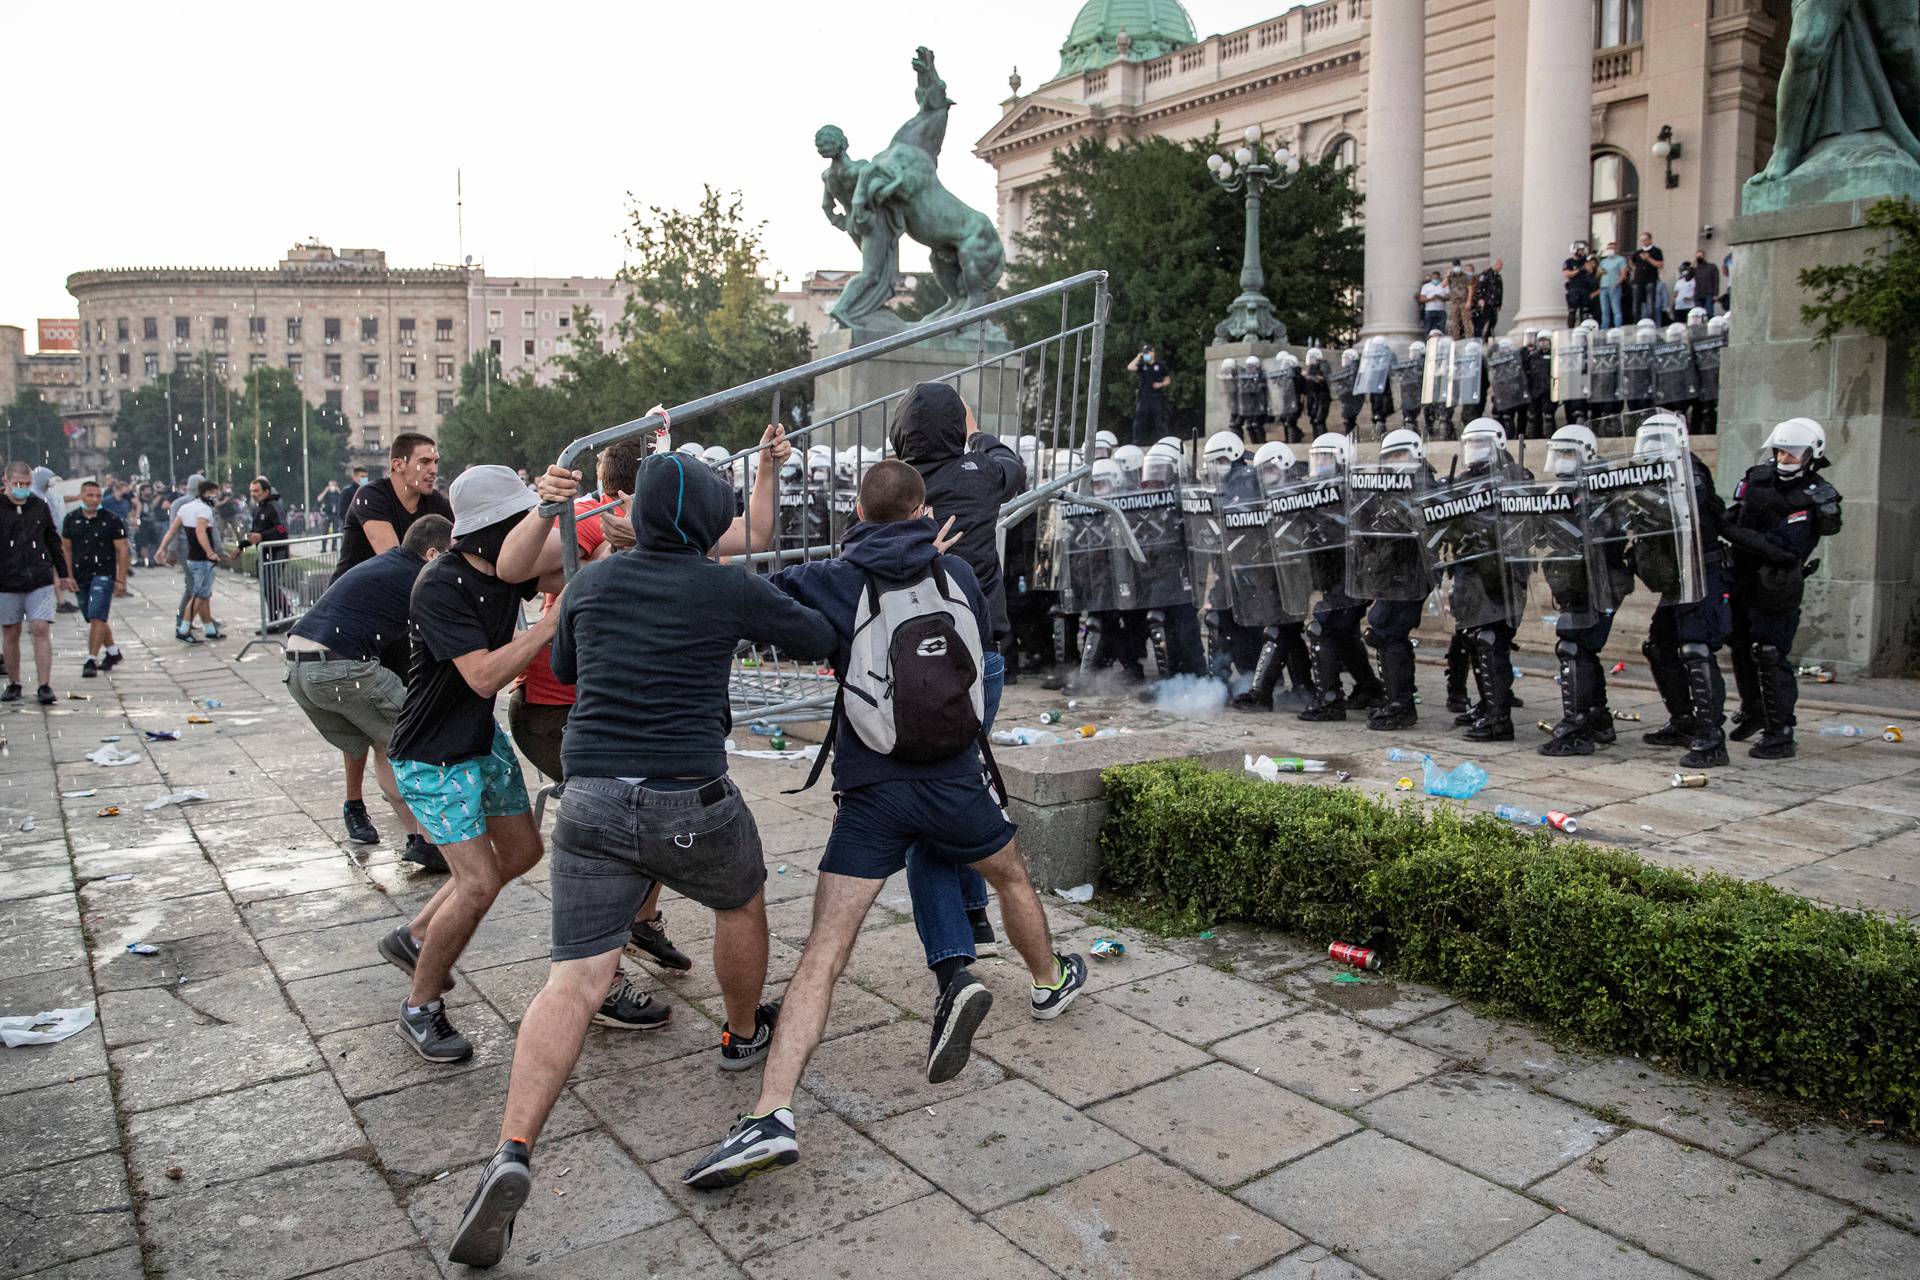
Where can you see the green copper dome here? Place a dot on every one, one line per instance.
(1155, 27)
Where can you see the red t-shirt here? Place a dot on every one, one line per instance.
(538, 681)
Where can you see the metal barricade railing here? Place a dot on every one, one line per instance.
(1046, 386)
(292, 574)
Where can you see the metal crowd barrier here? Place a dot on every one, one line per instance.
(1047, 387)
(292, 574)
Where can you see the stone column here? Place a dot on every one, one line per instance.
(1396, 167)
(1554, 179)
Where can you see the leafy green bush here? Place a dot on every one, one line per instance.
(1724, 978)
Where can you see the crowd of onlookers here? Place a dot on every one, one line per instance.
(1618, 289)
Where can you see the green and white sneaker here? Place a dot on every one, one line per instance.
(1051, 1001)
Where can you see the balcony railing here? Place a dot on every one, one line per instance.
(1610, 66)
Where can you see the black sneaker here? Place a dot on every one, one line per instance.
(11, 694)
(186, 637)
(486, 1229)
(111, 661)
(403, 953)
(984, 941)
(213, 631)
(1051, 1002)
(90, 670)
(429, 1034)
(46, 695)
(962, 1006)
(755, 1144)
(420, 851)
(648, 941)
(360, 828)
(738, 1055)
(630, 1008)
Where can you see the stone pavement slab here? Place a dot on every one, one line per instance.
(1144, 1220)
(1486, 1044)
(873, 1074)
(37, 934)
(1499, 1129)
(1560, 1246)
(120, 1264)
(931, 1238)
(67, 1211)
(1879, 1176)
(57, 1123)
(1198, 1004)
(442, 1124)
(1681, 1107)
(1330, 1058)
(35, 1066)
(278, 1225)
(675, 1107)
(237, 1135)
(210, 1060)
(1092, 1052)
(1692, 1206)
(1310, 1263)
(1397, 1212)
(675, 1250)
(1862, 1250)
(374, 1059)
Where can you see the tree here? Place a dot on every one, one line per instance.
(1880, 293)
(278, 398)
(1150, 214)
(174, 412)
(515, 423)
(35, 433)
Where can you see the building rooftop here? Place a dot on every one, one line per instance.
(1108, 31)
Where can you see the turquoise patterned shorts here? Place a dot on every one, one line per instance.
(452, 802)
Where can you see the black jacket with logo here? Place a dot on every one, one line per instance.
(30, 554)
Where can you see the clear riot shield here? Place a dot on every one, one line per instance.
(1570, 370)
(1309, 535)
(1386, 542)
(840, 513)
(801, 517)
(1436, 379)
(1554, 567)
(1462, 533)
(1706, 363)
(1258, 596)
(1092, 570)
(1506, 381)
(1283, 397)
(1046, 531)
(1466, 384)
(1154, 516)
(1407, 378)
(1603, 373)
(1376, 363)
(1673, 378)
(1636, 373)
(1341, 382)
(1538, 360)
(1206, 548)
(1644, 505)
(1249, 394)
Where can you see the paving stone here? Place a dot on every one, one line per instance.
(443, 1124)
(309, 911)
(1879, 1175)
(312, 955)
(1223, 1124)
(374, 1059)
(1310, 1263)
(1561, 1246)
(1091, 1052)
(35, 881)
(57, 1123)
(1141, 1218)
(1001, 1144)
(854, 1009)
(278, 1225)
(507, 936)
(701, 983)
(259, 884)
(676, 1106)
(1330, 1058)
(1892, 796)
(1694, 1207)
(165, 871)
(1146, 954)
(1392, 1210)
(246, 996)
(1494, 1047)
(1681, 1107)
(34, 1066)
(841, 1177)
(615, 1051)
(120, 1264)
(874, 1074)
(1833, 883)
(1377, 1001)
(675, 1250)
(1501, 1130)
(1199, 1004)
(360, 997)
(38, 934)
(1869, 1249)
(67, 1211)
(586, 1191)
(237, 1135)
(1828, 827)
(212, 1060)
(925, 1239)
(194, 957)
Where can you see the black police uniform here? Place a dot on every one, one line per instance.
(1684, 639)
(1390, 625)
(1151, 417)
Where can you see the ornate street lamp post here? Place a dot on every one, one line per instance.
(1253, 167)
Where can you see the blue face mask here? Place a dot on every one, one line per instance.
(21, 492)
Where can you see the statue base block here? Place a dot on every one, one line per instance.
(1851, 166)
(992, 392)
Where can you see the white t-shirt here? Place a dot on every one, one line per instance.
(1433, 294)
(1683, 293)
(193, 513)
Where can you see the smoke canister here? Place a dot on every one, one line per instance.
(1689, 780)
(1358, 957)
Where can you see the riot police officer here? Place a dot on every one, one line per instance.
(1318, 395)
(1274, 637)
(1288, 394)
(1478, 600)
(1332, 634)
(1343, 386)
(1386, 560)
(1537, 349)
(1586, 591)
(1407, 375)
(1781, 510)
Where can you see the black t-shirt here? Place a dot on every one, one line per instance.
(93, 538)
(376, 500)
(364, 614)
(1648, 272)
(455, 609)
(1151, 373)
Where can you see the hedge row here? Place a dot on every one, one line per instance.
(1724, 978)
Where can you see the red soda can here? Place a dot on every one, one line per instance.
(1562, 822)
(1358, 957)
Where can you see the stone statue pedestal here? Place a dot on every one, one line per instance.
(993, 392)
(1862, 609)
(1219, 415)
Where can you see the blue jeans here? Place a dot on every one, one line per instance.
(934, 884)
(1611, 316)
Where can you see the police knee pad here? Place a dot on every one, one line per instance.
(1566, 650)
(1767, 655)
(1484, 637)
(1694, 651)
(1375, 640)
(1315, 629)
(1650, 649)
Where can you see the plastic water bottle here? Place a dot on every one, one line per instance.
(1514, 813)
(1024, 737)
(1842, 731)
(1405, 755)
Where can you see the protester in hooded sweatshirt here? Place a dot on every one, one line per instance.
(32, 565)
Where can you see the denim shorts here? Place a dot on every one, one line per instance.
(96, 597)
(200, 579)
(453, 801)
(949, 819)
(613, 839)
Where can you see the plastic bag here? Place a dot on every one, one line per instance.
(56, 1025)
(1462, 782)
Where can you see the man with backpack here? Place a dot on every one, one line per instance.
(909, 624)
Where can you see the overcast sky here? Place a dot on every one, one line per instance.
(200, 133)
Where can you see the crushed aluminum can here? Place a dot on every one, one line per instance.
(142, 949)
(1618, 667)
(1107, 949)
(1627, 715)
(1348, 953)
(198, 720)
(1892, 733)
(1562, 821)
(1688, 780)
(111, 811)
(163, 735)
(1544, 726)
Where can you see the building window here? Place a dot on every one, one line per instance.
(443, 368)
(150, 364)
(220, 366)
(409, 368)
(406, 331)
(369, 328)
(126, 363)
(149, 329)
(333, 401)
(256, 328)
(443, 330)
(526, 319)
(296, 365)
(493, 319)
(219, 328)
(406, 403)
(1615, 207)
(369, 366)
(527, 347)
(182, 328)
(369, 401)
(493, 345)
(120, 328)
(100, 333)
(566, 319)
(333, 368)
(293, 329)
(257, 361)
(330, 330)
(103, 368)
(1615, 22)
(444, 402)
(183, 363)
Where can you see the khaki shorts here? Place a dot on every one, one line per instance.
(354, 705)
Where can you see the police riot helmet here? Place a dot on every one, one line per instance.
(1661, 435)
(1616, 335)
(691, 449)
(1590, 325)
(1106, 477)
(1481, 440)
(1676, 332)
(820, 461)
(1287, 360)
(1504, 344)
(715, 456)
(1572, 447)
(1227, 368)
(1403, 441)
(1252, 362)
(1130, 457)
(1803, 442)
(1315, 355)
(1104, 443)
(1526, 337)
(1162, 467)
(1174, 443)
(1717, 327)
(1224, 448)
(1330, 453)
(1696, 315)
(1416, 349)
(1273, 461)
(1350, 356)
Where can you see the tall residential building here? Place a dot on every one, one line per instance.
(53, 372)
(528, 320)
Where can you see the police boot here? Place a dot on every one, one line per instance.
(1368, 692)
(1396, 671)
(1459, 657)
(1493, 674)
(1599, 714)
(1214, 637)
(1671, 679)
(1778, 694)
(1094, 644)
(1327, 704)
(1751, 718)
(1258, 696)
(1571, 736)
(1707, 690)
(1157, 641)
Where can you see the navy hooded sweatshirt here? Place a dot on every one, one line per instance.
(647, 635)
(896, 552)
(967, 478)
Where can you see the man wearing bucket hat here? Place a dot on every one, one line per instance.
(456, 769)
